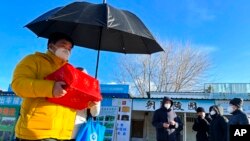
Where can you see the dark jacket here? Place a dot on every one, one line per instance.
(201, 126)
(218, 126)
(238, 118)
(163, 115)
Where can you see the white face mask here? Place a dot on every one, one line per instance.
(167, 106)
(212, 112)
(62, 53)
(203, 114)
(230, 109)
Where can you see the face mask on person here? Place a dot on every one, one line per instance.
(230, 109)
(202, 115)
(212, 113)
(62, 53)
(167, 105)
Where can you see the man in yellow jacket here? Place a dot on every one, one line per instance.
(40, 119)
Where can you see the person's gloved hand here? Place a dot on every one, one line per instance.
(95, 108)
(172, 122)
(166, 125)
(58, 90)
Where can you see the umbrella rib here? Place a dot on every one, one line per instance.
(82, 11)
(52, 19)
(130, 27)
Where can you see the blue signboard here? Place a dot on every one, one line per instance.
(10, 100)
(115, 88)
(179, 105)
(106, 102)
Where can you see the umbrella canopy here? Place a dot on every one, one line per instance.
(99, 27)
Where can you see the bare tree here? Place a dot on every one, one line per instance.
(179, 68)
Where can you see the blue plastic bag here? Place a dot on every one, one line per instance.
(91, 131)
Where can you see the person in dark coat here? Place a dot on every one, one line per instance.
(218, 126)
(166, 122)
(238, 116)
(201, 125)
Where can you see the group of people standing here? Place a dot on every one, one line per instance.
(215, 126)
(212, 126)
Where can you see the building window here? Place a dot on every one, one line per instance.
(137, 128)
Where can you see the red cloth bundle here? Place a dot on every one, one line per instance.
(81, 88)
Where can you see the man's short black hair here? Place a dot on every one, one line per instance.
(56, 36)
(200, 109)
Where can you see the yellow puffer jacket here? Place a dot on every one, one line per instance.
(39, 118)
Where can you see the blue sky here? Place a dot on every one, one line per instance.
(218, 26)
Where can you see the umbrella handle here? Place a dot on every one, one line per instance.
(97, 62)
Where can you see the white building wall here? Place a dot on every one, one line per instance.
(190, 135)
(151, 133)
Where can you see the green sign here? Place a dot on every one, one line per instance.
(9, 113)
(8, 118)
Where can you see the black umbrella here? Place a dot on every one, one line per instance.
(99, 27)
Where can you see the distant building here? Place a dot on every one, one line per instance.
(185, 104)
